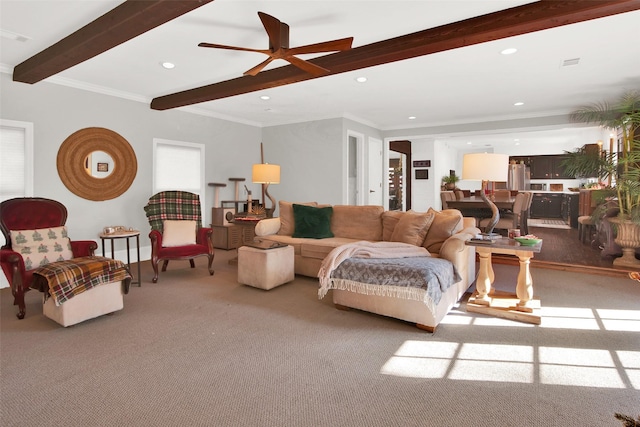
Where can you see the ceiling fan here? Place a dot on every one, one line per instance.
(278, 33)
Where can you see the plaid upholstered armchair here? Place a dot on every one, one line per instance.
(176, 230)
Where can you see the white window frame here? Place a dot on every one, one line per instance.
(27, 128)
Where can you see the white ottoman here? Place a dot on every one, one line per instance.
(265, 268)
(103, 299)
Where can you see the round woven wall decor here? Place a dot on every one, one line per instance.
(71, 163)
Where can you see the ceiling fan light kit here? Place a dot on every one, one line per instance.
(278, 33)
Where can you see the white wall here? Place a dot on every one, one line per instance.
(58, 111)
(311, 158)
(425, 191)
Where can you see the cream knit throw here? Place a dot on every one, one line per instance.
(364, 249)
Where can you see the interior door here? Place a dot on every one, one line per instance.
(374, 196)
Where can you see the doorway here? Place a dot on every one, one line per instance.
(404, 174)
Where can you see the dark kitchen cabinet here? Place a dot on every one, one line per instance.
(546, 205)
(520, 159)
(548, 167)
(570, 207)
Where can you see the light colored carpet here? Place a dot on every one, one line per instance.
(207, 351)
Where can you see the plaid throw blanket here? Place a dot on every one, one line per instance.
(173, 205)
(67, 279)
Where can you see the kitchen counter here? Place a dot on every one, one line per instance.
(553, 192)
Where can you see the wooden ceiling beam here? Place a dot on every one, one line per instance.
(537, 16)
(126, 21)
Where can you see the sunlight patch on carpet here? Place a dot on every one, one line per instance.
(579, 367)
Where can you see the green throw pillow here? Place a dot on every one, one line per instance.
(312, 222)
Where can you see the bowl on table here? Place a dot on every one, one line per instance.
(528, 241)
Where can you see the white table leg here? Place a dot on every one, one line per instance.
(524, 287)
(485, 278)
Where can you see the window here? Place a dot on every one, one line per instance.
(16, 159)
(16, 165)
(178, 166)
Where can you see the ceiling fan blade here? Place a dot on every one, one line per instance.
(330, 46)
(222, 46)
(307, 66)
(273, 27)
(255, 70)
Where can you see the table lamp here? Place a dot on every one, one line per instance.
(265, 173)
(486, 167)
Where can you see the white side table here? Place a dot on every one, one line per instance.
(124, 235)
(265, 268)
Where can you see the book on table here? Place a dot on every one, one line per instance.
(485, 238)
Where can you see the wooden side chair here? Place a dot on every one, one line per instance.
(510, 219)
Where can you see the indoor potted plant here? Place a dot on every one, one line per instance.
(623, 168)
(449, 181)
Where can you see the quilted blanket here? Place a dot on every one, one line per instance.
(416, 278)
(173, 205)
(66, 279)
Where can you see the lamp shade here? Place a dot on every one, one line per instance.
(264, 173)
(485, 167)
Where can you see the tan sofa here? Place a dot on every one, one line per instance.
(445, 238)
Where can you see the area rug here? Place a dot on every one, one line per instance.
(548, 223)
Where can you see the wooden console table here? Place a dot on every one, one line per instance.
(521, 306)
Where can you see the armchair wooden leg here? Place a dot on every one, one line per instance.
(17, 290)
(193, 264)
(155, 271)
(164, 265)
(210, 262)
(18, 299)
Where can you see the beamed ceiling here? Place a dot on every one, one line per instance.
(436, 60)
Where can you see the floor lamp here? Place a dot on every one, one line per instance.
(486, 167)
(265, 173)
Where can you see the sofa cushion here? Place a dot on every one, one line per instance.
(312, 222)
(178, 233)
(389, 221)
(445, 224)
(287, 223)
(41, 246)
(412, 228)
(319, 249)
(267, 226)
(357, 222)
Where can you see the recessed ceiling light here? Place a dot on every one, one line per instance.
(570, 62)
(517, 104)
(13, 36)
(361, 79)
(412, 117)
(509, 51)
(168, 65)
(265, 97)
(469, 142)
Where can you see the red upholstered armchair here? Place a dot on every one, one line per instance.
(176, 230)
(31, 213)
